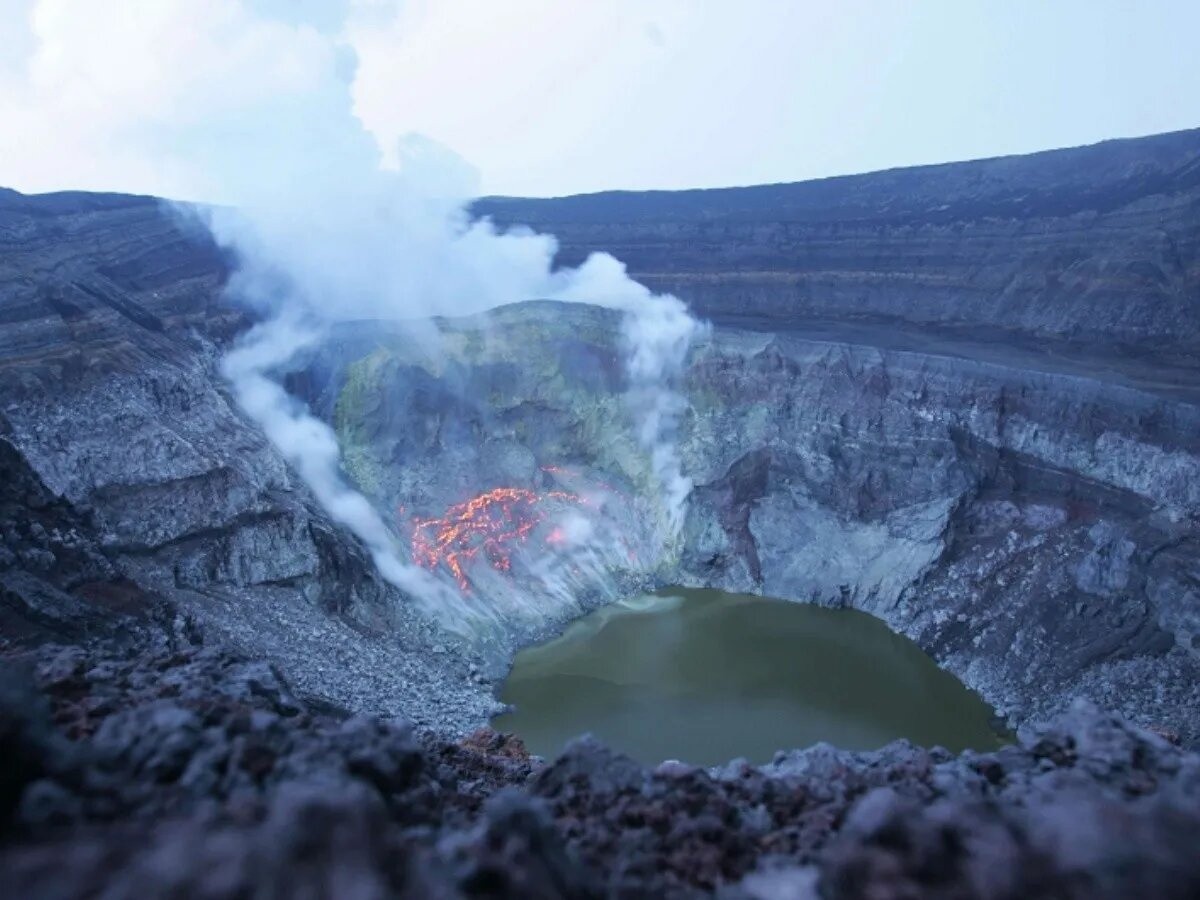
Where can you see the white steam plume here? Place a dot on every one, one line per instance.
(217, 100)
(306, 442)
(657, 331)
(474, 268)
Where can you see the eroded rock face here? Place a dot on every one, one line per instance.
(1017, 524)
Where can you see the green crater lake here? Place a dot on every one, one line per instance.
(705, 676)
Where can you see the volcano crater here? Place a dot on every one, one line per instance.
(959, 501)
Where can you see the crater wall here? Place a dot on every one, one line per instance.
(1035, 531)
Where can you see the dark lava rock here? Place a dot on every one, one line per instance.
(192, 772)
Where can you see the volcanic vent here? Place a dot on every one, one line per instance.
(491, 526)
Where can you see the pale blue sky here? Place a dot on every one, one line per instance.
(555, 96)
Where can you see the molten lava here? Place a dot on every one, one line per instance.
(492, 523)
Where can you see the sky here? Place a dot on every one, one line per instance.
(192, 98)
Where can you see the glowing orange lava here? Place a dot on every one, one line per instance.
(494, 523)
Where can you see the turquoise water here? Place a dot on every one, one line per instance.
(704, 677)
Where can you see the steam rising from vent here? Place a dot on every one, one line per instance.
(657, 331)
(265, 122)
(309, 444)
(384, 248)
(274, 272)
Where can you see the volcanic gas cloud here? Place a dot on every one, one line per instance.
(493, 524)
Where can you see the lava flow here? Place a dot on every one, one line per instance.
(494, 523)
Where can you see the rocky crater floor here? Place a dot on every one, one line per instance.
(963, 399)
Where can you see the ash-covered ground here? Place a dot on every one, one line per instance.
(154, 765)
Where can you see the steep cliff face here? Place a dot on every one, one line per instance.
(1035, 531)
(1098, 244)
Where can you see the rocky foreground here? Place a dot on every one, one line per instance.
(157, 766)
